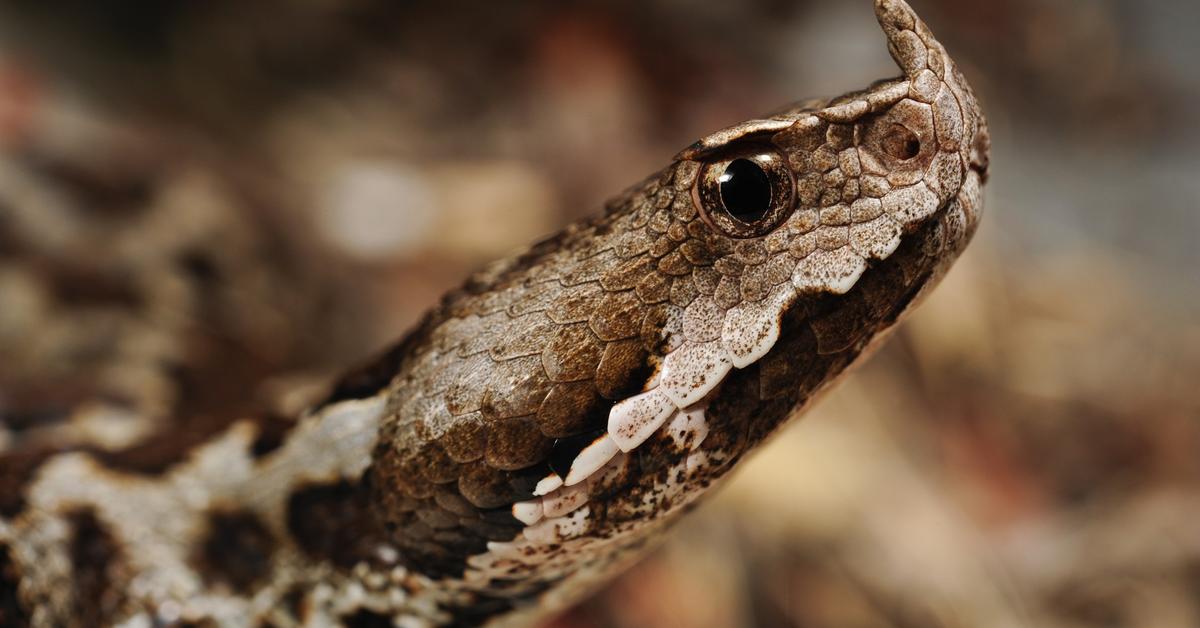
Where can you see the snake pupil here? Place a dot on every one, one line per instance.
(745, 191)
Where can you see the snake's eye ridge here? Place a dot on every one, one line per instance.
(746, 194)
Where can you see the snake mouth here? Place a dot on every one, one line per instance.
(604, 464)
(675, 401)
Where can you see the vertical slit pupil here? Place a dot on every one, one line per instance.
(745, 191)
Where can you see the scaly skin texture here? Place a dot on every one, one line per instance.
(544, 422)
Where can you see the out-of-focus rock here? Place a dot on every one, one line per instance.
(385, 210)
(378, 210)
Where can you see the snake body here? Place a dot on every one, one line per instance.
(544, 422)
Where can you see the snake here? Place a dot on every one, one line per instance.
(532, 436)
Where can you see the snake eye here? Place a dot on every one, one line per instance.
(747, 194)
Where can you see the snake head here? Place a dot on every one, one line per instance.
(580, 394)
(880, 161)
(806, 235)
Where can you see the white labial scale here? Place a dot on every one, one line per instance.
(551, 544)
(632, 421)
(692, 371)
(559, 528)
(610, 471)
(878, 238)
(835, 271)
(529, 512)
(910, 204)
(688, 428)
(591, 459)
(702, 321)
(848, 269)
(547, 485)
(695, 461)
(495, 550)
(750, 330)
(565, 500)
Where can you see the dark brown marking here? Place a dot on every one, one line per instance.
(200, 266)
(11, 612)
(236, 550)
(105, 191)
(11, 246)
(78, 287)
(163, 450)
(96, 566)
(335, 522)
(17, 469)
(272, 431)
(18, 415)
(363, 618)
(213, 394)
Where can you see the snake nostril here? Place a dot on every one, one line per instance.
(901, 143)
(981, 149)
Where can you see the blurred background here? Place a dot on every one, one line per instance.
(1025, 452)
